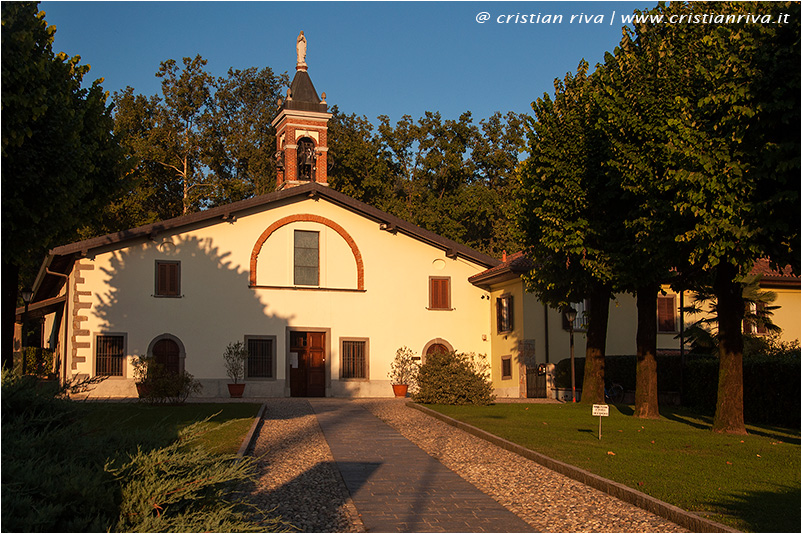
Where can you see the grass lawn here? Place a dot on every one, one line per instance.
(160, 425)
(751, 483)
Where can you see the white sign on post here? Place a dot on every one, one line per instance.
(601, 410)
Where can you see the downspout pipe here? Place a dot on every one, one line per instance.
(65, 322)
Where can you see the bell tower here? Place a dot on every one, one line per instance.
(301, 129)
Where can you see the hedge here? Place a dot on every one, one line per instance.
(771, 383)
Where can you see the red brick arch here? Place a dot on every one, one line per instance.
(306, 217)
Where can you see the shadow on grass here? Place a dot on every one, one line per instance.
(624, 409)
(705, 422)
(765, 511)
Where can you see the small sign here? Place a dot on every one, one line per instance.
(294, 360)
(601, 410)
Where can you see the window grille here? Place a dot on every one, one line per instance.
(260, 358)
(109, 355)
(354, 359)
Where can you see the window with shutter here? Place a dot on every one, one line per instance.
(439, 293)
(754, 320)
(504, 314)
(168, 278)
(666, 314)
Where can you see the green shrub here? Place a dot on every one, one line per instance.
(52, 476)
(185, 488)
(454, 378)
(771, 387)
(35, 361)
(60, 474)
(165, 387)
(771, 380)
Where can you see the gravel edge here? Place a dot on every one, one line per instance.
(547, 500)
(663, 509)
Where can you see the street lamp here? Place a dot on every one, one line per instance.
(570, 317)
(27, 295)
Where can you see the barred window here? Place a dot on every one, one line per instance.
(260, 358)
(354, 359)
(109, 355)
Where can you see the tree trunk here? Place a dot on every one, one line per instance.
(729, 418)
(598, 314)
(646, 406)
(9, 299)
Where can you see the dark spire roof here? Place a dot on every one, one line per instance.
(303, 95)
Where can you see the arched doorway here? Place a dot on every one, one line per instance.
(168, 351)
(435, 346)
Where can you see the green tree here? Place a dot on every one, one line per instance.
(638, 88)
(360, 163)
(495, 157)
(568, 214)
(180, 138)
(739, 135)
(242, 140)
(60, 161)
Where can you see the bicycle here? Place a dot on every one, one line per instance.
(614, 394)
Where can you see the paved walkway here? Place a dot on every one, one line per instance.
(396, 486)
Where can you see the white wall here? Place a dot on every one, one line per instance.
(217, 305)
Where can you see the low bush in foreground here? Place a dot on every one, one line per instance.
(64, 472)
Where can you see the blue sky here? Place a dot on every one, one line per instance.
(371, 58)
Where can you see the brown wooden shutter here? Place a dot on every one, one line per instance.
(439, 297)
(168, 279)
(666, 320)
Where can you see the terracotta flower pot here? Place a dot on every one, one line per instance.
(142, 390)
(236, 390)
(400, 390)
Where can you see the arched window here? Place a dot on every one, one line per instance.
(306, 159)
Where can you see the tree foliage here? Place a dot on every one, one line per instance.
(569, 214)
(699, 125)
(60, 161)
(452, 177)
(202, 142)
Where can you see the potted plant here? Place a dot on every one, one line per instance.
(403, 370)
(235, 356)
(140, 364)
